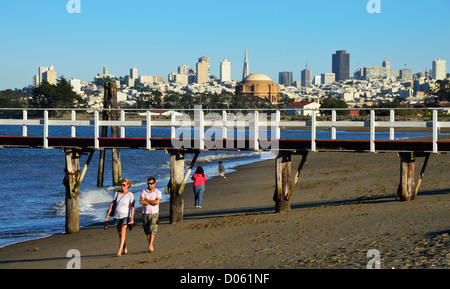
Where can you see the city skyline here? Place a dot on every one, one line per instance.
(157, 37)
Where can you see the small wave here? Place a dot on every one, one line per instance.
(212, 158)
(87, 200)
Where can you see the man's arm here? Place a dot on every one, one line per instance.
(154, 202)
(148, 202)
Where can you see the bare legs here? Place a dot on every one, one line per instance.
(122, 230)
(150, 238)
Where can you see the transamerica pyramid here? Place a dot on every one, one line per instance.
(246, 68)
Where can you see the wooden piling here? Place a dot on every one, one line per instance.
(297, 175)
(422, 172)
(176, 180)
(104, 133)
(110, 101)
(72, 199)
(282, 182)
(116, 163)
(406, 189)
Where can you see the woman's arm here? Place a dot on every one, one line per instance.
(132, 211)
(109, 211)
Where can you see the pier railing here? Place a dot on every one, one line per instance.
(258, 122)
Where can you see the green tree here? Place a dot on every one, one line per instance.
(331, 102)
(11, 98)
(441, 90)
(61, 95)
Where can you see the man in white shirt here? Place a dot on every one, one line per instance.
(150, 199)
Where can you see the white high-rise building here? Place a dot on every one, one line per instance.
(76, 85)
(225, 70)
(133, 73)
(328, 78)
(46, 73)
(439, 70)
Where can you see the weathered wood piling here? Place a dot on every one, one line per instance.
(72, 200)
(407, 189)
(72, 182)
(176, 180)
(110, 101)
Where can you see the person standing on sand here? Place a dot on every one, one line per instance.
(150, 199)
(199, 186)
(123, 213)
(222, 170)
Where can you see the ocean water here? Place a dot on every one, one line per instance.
(32, 196)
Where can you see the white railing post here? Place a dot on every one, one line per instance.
(149, 130)
(224, 124)
(277, 125)
(333, 124)
(122, 120)
(435, 131)
(72, 127)
(45, 129)
(255, 130)
(24, 127)
(198, 112)
(372, 131)
(172, 124)
(313, 130)
(392, 120)
(96, 130)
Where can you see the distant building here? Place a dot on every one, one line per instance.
(260, 85)
(45, 73)
(317, 80)
(439, 69)
(133, 73)
(387, 66)
(341, 65)
(246, 70)
(306, 76)
(149, 79)
(374, 72)
(76, 85)
(105, 74)
(179, 78)
(328, 78)
(203, 67)
(301, 108)
(225, 71)
(285, 78)
(406, 74)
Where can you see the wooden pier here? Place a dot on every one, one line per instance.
(254, 123)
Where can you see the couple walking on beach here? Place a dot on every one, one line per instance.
(199, 179)
(122, 208)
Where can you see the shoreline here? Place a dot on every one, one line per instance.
(338, 203)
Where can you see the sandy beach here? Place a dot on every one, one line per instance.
(342, 207)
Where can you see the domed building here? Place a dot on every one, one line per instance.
(260, 85)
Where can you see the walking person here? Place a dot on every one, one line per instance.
(199, 186)
(123, 213)
(222, 170)
(150, 199)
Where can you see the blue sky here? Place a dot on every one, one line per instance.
(158, 36)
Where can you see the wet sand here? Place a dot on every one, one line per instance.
(342, 207)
